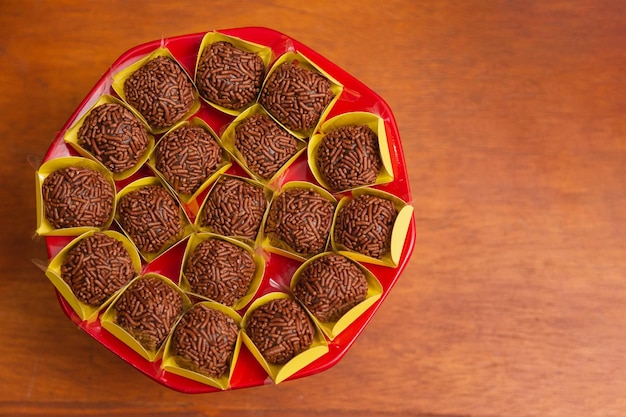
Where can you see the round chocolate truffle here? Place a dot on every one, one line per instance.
(160, 91)
(219, 270)
(264, 145)
(349, 157)
(296, 96)
(280, 329)
(204, 341)
(96, 268)
(234, 207)
(300, 218)
(365, 224)
(77, 197)
(229, 76)
(330, 286)
(147, 310)
(151, 217)
(187, 157)
(114, 136)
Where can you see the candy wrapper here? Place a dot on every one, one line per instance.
(299, 94)
(187, 160)
(383, 227)
(118, 135)
(229, 76)
(158, 78)
(299, 221)
(74, 195)
(279, 372)
(228, 272)
(100, 277)
(263, 148)
(335, 291)
(234, 207)
(346, 163)
(203, 338)
(144, 313)
(154, 223)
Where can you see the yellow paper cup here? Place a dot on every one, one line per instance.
(172, 363)
(86, 311)
(333, 329)
(146, 182)
(109, 320)
(375, 123)
(398, 233)
(228, 140)
(71, 136)
(279, 373)
(120, 78)
(259, 262)
(306, 63)
(222, 167)
(44, 227)
(274, 244)
(210, 38)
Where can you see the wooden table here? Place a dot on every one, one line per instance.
(512, 120)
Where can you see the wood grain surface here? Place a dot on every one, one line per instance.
(512, 117)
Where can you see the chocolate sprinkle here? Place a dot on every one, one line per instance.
(264, 145)
(296, 96)
(220, 270)
(349, 157)
(229, 76)
(147, 310)
(96, 268)
(330, 286)
(234, 207)
(364, 225)
(151, 217)
(77, 197)
(160, 91)
(114, 136)
(204, 341)
(187, 157)
(280, 329)
(301, 219)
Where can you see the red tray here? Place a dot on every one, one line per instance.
(355, 97)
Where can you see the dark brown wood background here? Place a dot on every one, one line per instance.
(512, 117)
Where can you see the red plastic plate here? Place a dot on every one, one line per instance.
(355, 97)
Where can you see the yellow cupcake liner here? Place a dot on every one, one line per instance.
(44, 227)
(265, 53)
(374, 122)
(170, 363)
(278, 373)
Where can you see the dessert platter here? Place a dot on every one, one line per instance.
(225, 210)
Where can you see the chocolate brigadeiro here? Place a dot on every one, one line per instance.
(280, 329)
(96, 267)
(147, 310)
(330, 286)
(220, 270)
(365, 224)
(234, 207)
(187, 157)
(204, 341)
(160, 91)
(151, 217)
(296, 96)
(300, 218)
(114, 136)
(77, 197)
(349, 157)
(229, 76)
(264, 145)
